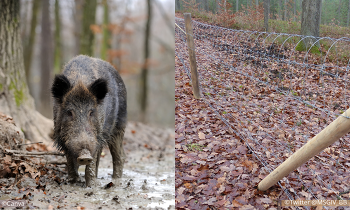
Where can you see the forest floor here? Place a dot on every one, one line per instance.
(147, 183)
(220, 163)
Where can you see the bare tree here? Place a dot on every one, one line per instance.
(46, 61)
(266, 14)
(28, 48)
(87, 36)
(106, 32)
(310, 19)
(57, 53)
(347, 21)
(78, 19)
(14, 98)
(339, 13)
(144, 70)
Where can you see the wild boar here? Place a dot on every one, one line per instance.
(90, 112)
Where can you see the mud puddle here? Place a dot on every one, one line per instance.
(148, 180)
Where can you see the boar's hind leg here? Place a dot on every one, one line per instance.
(72, 166)
(118, 155)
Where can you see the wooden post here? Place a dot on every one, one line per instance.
(192, 55)
(325, 138)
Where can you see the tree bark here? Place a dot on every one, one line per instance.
(46, 61)
(177, 5)
(294, 10)
(279, 9)
(339, 13)
(58, 46)
(78, 19)
(14, 95)
(144, 71)
(106, 33)
(266, 14)
(237, 4)
(347, 21)
(28, 48)
(206, 6)
(310, 19)
(87, 36)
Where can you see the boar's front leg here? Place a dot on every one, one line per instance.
(72, 166)
(117, 152)
(90, 171)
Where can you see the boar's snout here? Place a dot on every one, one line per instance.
(84, 157)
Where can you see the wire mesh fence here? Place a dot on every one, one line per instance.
(275, 92)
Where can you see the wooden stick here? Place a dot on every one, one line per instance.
(192, 55)
(57, 162)
(325, 138)
(20, 152)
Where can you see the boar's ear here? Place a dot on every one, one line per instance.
(60, 87)
(99, 88)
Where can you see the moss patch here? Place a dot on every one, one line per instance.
(18, 94)
(301, 47)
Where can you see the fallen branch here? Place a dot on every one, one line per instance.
(57, 162)
(25, 153)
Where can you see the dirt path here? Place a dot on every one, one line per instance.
(148, 179)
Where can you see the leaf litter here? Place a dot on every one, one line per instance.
(225, 171)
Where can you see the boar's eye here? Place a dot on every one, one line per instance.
(91, 113)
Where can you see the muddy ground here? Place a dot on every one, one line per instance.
(148, 180)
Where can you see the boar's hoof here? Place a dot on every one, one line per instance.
(84, 158)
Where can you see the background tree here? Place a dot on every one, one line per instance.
(310, 19)
(144, 70)
(57, 53)
(87, 36)
(46, 60)
(106, 32)
(28, 47)
(266, 14)
(14, 98)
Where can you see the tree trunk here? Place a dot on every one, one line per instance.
(46, 61)
(78, 19)
(285, 10)
(295, 10)
(347, 21)
(279, 9)
(237, 4)
(28, 48)
(206, 6)
(144, 71)
(310, 19)
(266, 14)
(106, 33)
(87, 36)
(58, 53)
(14, 95)
(339, 13)
(177, 5)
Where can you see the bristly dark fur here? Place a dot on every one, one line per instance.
(89, 113)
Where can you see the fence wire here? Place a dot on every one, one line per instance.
(274, 91)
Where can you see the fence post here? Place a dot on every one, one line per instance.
(325, 138)
(192, 55)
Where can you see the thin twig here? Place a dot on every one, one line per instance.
(8, 151)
